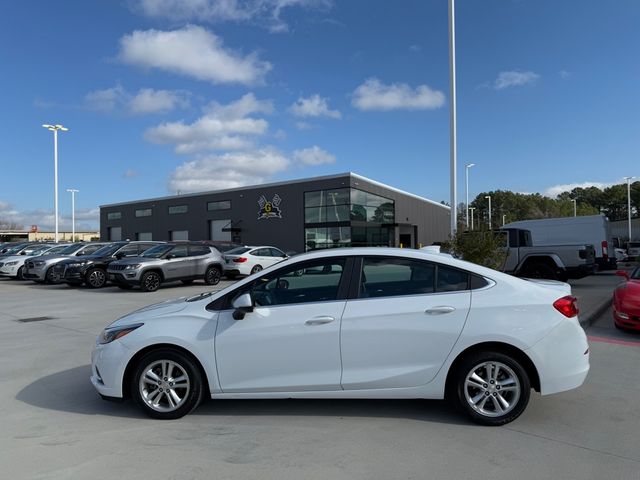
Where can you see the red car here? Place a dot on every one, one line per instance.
(626, 301)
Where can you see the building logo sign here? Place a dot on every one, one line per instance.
(269, 209)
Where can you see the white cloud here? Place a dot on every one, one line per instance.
(86, 218)
(313, 106)
(415, 48)
(146, 101)
(303, 126)
(313, 156)
(222, 127)
(130, 173)
(192, 51)
(106, 100)
(514, 78)
(229, 170)
(564, 74)
(263, 12)
(556, 190)
(374, 95)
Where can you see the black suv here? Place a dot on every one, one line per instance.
(92, 269)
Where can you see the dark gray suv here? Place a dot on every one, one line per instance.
(169, 262)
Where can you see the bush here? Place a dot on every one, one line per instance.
(483, 247)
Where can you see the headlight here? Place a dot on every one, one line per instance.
(8, 264)
(110, 334)
(38, 264)
(133, 266)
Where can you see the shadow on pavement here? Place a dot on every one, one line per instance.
(71, 391)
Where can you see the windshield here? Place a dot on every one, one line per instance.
(38, 249)
(108, 250)
(157, 252)
(15, 249)
(636, 274)
(68, 250)
(237, 251)
(54, 250)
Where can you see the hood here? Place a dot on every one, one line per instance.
(150, 312)
(561, 287)
(13, 258)
(51, 257)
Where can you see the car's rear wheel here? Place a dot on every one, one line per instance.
(492, 388)
(150, 282)
(256, 269)
(167, 384)
(212, 276)
(96, 278)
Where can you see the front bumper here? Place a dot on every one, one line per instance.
(126, 277)
(108, 363)
(35, 273)
(562, 357)
(626, 318)
(9, 271)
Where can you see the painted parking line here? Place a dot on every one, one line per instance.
(615, 341)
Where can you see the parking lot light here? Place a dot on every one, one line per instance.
(628, 179)
(73, 192)
(54, 129)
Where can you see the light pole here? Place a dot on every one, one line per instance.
(54, 129)
(472, 209)
(575, 207)
(452, 113)
(466, 188)
(504, 219)
(73, 192)
(628, 179)
(488, 197)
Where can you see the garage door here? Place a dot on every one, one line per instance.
(216, 232)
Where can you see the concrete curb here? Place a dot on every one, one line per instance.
(592, 316)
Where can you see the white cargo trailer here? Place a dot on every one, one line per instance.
(587, 229)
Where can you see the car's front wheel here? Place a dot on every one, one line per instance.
(20, 274)
(167, 384)
(492, 388)
(96, 278)
(150, 282)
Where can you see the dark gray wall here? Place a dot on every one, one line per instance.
(286, 233)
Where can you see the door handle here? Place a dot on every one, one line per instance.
(439, 310)
(319, 321)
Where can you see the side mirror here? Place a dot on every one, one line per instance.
(623, 273)
(243, 304)
(119, 255)
(169, 256)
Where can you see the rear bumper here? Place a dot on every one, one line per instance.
(561, 358)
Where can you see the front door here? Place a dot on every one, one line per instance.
(180, 264)
(291, 341)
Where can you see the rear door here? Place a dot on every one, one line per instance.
(200, 256)
(179, 265)
(408, 315)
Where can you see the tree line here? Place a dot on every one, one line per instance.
(611, 201)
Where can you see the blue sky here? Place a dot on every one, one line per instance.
(166, 96)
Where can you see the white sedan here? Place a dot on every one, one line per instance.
(13, 266)
(352, 323)
(249, 260)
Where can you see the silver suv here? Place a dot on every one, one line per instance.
(40, 269)
(168, 263)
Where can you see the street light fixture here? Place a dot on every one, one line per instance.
(54, 129)
(453, 152)
(466, 188)
(472, 209)
(575, 207)
(73, 192)
(628, 179)
(504, 219)
(488, 197)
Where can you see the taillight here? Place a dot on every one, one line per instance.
(605, 249)
(567, 306)
(240, 260)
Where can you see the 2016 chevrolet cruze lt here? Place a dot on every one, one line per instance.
(352, 323)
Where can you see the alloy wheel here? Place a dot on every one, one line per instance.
(164, 386)
(151, 282)
(492, 389)
(256, 269)
(96, 278)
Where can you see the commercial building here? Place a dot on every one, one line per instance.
(330, 211)
(37, 236)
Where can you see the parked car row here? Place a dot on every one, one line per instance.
(127, 264)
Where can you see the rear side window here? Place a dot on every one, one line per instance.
(389, 277)
(451, 279)
(129, 251)
(197, 250)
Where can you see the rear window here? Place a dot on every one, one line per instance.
(237, 251)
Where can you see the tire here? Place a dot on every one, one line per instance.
(50, 277)
(480, 399)
(256, 269)
(95, 278)
(152, 378)
(150, 282)
(187, 282)
(124, 286)
(540, 270)
(212, 276)
(20, 274)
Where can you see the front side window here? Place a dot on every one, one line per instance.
(179, 251)
(315, 281)
(157, 251)
(143, 212)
